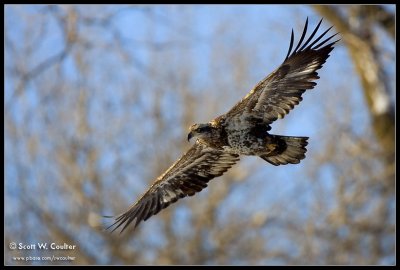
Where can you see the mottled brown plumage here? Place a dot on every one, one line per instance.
(241, 131)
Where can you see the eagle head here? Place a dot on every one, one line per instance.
(200, 130)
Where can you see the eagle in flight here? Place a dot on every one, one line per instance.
(241, 131)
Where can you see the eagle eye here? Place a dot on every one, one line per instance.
(204, 129)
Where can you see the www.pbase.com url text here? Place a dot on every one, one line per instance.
(43, 258)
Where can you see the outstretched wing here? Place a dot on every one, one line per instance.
(185, 177)
(279, 92)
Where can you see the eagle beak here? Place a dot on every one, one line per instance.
(190, 135)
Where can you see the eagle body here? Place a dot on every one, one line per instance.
(244, 137)
(242, 131)
(245, 142)
(249, 136)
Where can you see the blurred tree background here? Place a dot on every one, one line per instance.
(98, 100)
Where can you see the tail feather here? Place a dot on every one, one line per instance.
(291, 150)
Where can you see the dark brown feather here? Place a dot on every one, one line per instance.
(189, 175)
(278, 93)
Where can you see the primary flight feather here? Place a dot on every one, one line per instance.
(241, 131)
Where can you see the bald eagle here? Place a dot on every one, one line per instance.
(241, 131)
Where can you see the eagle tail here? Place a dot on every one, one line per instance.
(293, 150)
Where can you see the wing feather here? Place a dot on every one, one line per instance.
(279, 92)
(189, 175)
